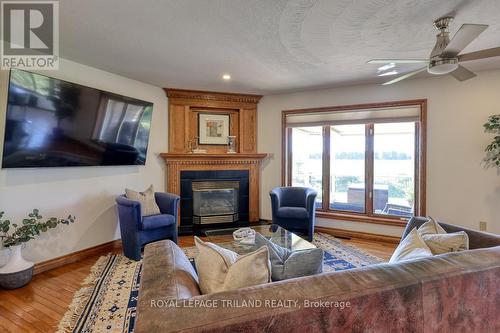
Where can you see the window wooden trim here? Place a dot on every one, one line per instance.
(326, 167)
(420, 159)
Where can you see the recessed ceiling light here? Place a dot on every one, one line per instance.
(226, 77)
(386, 67)
(388, 73)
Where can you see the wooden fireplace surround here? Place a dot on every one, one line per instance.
(183, 108)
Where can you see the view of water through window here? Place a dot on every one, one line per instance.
(347, 167)
(393, 166)
(307, 152)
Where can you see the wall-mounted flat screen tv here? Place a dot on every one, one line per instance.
(55, 123)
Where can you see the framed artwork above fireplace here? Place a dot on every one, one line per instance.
(213, 128)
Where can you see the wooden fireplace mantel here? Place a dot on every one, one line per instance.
(178, 162)
(221, 158)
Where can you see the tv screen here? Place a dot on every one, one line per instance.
(55, 123)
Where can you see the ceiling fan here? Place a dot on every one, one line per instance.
(445, 57)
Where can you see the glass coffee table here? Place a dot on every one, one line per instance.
(273, 232)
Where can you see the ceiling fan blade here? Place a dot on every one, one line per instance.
(482, 54)
(397, 61)
(407, 75)
(464, 36)
(462, 73)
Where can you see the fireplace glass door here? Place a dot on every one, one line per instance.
(215, 201)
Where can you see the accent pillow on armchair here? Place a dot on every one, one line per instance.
(146, 199)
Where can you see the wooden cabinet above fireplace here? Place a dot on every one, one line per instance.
(185, 106)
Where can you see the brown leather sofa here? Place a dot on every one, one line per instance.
(454, 292)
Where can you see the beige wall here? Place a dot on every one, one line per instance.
(86, 192)
(459, 190)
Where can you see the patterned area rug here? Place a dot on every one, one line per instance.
(108, 298)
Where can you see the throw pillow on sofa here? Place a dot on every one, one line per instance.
(444, 243)
(430, 227)
(411, 247)
(286, 264)
(146, 199)
(439, 241)
(220, 269)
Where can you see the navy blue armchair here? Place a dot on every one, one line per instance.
(137, 232)
(294, 209)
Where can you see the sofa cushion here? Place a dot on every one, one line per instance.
(444, 243)
(431, 227)
(286, 264)
(292, 213)
(146, 199)
(439, 241)
(412, 247)
(477, 239)
(157, 221)
(221, 269)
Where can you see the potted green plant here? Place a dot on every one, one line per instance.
(492, 158)
(18, 271)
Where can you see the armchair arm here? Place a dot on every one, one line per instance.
(168, 203)
(275, 200)
(276, 196)
(129, 212)
(310, 201)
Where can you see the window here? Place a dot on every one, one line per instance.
(347, 168)
(307, 152)
(366, 163)
(394, 168)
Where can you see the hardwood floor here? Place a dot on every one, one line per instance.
(378, 249)
(39, 306)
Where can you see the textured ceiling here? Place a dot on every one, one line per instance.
(268, 46)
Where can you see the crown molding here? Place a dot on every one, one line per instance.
(211, 96)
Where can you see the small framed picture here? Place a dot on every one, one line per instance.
(213, 128)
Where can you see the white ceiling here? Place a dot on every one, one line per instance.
(268, 46)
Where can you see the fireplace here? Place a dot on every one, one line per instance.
(215, 201)
(213, 197)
